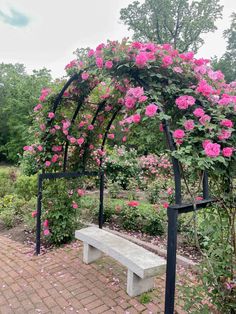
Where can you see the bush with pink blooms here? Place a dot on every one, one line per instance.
(144, 83)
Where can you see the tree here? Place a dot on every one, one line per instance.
(172, 21)
(19, 92)
(227, 63)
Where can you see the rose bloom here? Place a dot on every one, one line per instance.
(178, 134)
(183, 102)
(46, 232)
(80, 192)
(227, 151)
(74, 205)
(133, 204)
(34, 214)
(80, 140)
(205, 142)
(227, 123)
(166, 61)
(199, 112)
(151, 110)
(108, 64)
(224, 135)
(136, 118)
(99, 63)
(55, 158)
(47, 163)
(111, 136)
(189, 125)
(51, 115)
(205, 118)
(90, 127)
(85, 76)
(212, 150)
(141, 59)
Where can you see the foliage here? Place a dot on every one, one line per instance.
(121, 165)
(145, 298)
(113, 188)
(26, 186)
(215, 271)
(142, 218)
(11, 210)
(179, 22)
(18, 94)
(227, 63)
(7, 179)
(60, 215)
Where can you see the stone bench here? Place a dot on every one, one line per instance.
(142, 265)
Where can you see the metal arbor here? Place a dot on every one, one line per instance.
(172, 211)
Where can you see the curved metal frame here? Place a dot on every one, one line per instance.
(173, 210)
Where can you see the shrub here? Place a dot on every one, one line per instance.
(7, 178)
(11, 210)
(26, 186)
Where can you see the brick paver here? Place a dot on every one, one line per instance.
(59, 282)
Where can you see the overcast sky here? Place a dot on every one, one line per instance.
(44, 33)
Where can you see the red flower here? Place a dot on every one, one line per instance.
(133, 204)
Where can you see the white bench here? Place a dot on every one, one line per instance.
(142, 265)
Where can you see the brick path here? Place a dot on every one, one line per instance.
(58, 282)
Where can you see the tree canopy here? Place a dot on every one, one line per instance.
(179, 22)
(18, 94)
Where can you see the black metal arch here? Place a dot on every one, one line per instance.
(173, 210)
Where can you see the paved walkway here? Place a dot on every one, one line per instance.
(58, 282)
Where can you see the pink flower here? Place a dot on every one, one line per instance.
(183, 102)
(199, 198)
(91, 53)
(224, 135)
(40, 148)
(189, 125)
(108, 64)
(199, 112)
(80, 192)
(47, 163)
(136, 92)
(99, 63)
(124, 139)
(227, 123)
(161, 127)
(165, 205)
(204, 88)
(177, 70)
(136, 118)
(46, 232)
(55, 158)
(34, 214)
(205, 142)
(169, 191)
(90, 127)
(111, 136)
(187, 56)
(74, 205)
(141, 59)
(42, 127)
(151, 110)
(80, 140)
(167, 60)
(28, 148)
(51, 115)
(205, 118)
(85, 76)
(178, 134)
(129, 102)
(227, 151)
(38, 107)
(45, 223)
(212, 150)
(133, 203)
(56, 148)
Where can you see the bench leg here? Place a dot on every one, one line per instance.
(90, 253)
(137, 285)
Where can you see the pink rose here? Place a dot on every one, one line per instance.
(40, 148)
(80, 140)
(99, 63)
(151, 110)
(45, 223)
(74, 205)
(46, 232)
(212, 150)
(90, 53)
(227, 123)
(34, 214)
(183, 102)
(141, 59)
(90, 127)
(80, 192)
(51, 115)
(85, 76)
(111, 136)
(47, 163)
(224, 135)
(55, 158)
(189, 125)
(167, 60)
(133, 203)
(108, 64)
(130, 102)
(38, 107)
(205, 142)
(227, 151)
(124, 139)
(178, 134)
(136, 118)
(42, 127)
(199, 112)
(205, 118)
